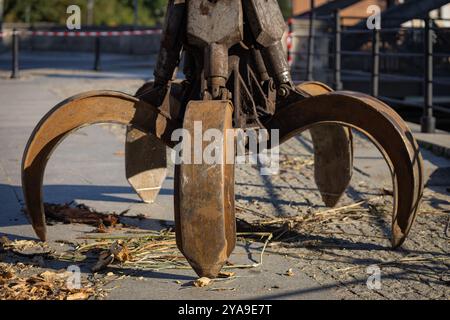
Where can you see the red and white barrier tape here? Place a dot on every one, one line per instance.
(290, 43)
(82, 33)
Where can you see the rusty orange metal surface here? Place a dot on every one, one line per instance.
(333, 152)
(146, 174)
(72, 114)
(205, 213)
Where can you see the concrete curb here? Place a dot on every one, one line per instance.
(439, 150)
(438, 143)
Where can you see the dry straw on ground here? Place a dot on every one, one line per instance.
(157, 250)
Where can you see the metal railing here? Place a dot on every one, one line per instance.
(428, 121)
(96, 35)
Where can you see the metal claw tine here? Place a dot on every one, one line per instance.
(333, 152)
(384, 127)
(70, 115)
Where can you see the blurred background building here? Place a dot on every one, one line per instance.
(358, 8)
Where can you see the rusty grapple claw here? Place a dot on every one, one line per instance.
(383, 127)
(236, 79)
(206, 226)
(146, 174)
(74, 113)
(333, 153)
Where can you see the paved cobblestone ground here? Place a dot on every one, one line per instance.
(335, 248)
(340, 247)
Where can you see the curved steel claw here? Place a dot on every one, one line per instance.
(204, 192)
(333, 152)
(146, 174)
(72, 114)
(383, 126)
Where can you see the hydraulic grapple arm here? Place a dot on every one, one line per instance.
(237, 77)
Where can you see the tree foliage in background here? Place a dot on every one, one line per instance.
(106, 12)
(286, 7)
(38, 10)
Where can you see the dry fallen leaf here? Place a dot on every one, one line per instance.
(290, 273)
(48, 276)
(79, 214)
(47, 285)
(6, 273)
(4, 241)
(202, 282)
(120, 251)
(224, 274)
(102, 228)
(78, 296)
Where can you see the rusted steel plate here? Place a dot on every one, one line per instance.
(384, 127)
(145, 163)
(72, 114)
(211, 22)
(333, 152)
(204, 201)
(145, 155)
